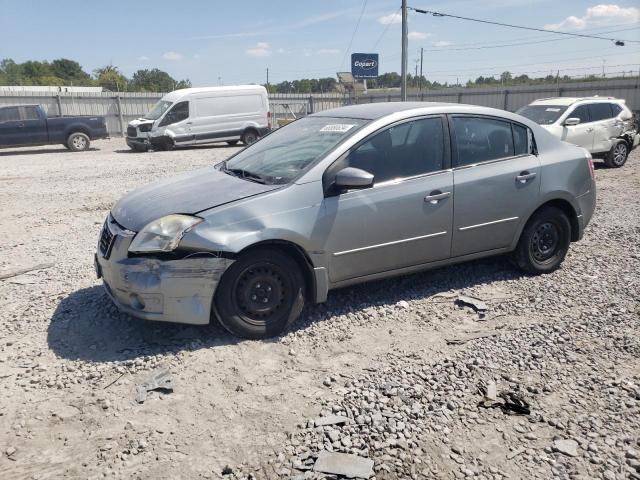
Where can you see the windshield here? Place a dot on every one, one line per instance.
(157, 110)
(287, 152)
(542, 114)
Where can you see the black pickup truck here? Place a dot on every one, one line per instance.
(28, 125)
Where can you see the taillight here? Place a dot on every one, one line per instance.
(269, 120)
(590, 162)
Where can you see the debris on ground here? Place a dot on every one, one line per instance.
(478, 306)
(346, 464)
(20, 271)
(159, 379)
(510, 402)
(566, 447)
(331, 420)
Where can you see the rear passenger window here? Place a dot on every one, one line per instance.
(30, 113)
(11, 114)
(521, 140)
(616, 109)
(600, 111)
(482, 139)
(406, 150)
(581, 112)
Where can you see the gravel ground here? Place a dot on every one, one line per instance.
(393, 366)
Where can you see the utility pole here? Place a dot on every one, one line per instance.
(603, 62)
(267, 80)
(405, 44)
(219, 81)
(421, 57)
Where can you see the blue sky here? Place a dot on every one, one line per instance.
(237, 41)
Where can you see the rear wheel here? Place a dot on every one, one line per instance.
(78, 142)
(249, 137)
(544, 241)
(232, 142)
(618, 154)
(260, 294)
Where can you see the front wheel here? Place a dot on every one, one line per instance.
(544, 241)
(78, 142)
(618, 154)
(261, 294)
(232, 143)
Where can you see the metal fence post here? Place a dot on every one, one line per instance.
(59, 101)
(310, 104)
(506, 99)
(120, 115)
(459, 97)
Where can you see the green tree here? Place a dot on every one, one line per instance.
(110, 78)
(70, 71)
(156, 80)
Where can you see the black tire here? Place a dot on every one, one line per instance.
(139, 148)
(78, 142)
(544, 242)
(232, 143)
(249, 136)
(618, 154)
(164, 145)
(261, 294)
(65, 146)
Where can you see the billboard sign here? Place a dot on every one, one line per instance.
(364, 65)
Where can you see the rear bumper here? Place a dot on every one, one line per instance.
(164, 290)
(587, 203)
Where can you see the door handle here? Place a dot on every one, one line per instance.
(589, 130)
(21, 125)
(189, 123)
(525, 176)
(434, 197)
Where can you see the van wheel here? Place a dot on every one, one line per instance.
(249, 137)
(78, 142)
(232, 142)
(618, 154)
(139, 148)
(261, 294)
(164, 145)
(544, 241)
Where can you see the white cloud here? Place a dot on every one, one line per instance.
(328, 51)
(441, 43)
(172, 56)
(261, 49)
(390, 19)
(598, 16)
(418, 35)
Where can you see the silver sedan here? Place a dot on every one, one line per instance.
(343, 197)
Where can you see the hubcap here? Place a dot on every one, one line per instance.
(260, 293)
(619, 153)
(545, 241)
(79, 142)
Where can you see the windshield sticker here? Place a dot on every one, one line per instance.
(337, 128)
(552, 110)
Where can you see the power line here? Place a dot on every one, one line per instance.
(384, 31)
(489, 22)
(346, 52)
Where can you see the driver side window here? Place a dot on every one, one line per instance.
(178, 113)
(405, 150)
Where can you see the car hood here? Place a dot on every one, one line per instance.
(189, 193)
(139, 121)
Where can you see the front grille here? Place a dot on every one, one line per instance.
(106, 239)
(132, 132)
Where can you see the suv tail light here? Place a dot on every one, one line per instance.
(269, 120)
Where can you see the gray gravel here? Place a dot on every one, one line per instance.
(375, 354)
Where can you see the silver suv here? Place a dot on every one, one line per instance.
(603, 125)
(341, 197)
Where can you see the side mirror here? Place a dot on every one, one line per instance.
(572, 121)
(353, 178)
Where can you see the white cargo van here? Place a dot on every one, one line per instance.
(194, 116)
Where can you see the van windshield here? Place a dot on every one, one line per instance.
(157, 110)
(542, 114)
(287, 152)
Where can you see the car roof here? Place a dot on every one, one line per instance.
(178, 94)
(571, 100)
(374, 111)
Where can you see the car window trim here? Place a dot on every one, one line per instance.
(454, 150)
(447, 154)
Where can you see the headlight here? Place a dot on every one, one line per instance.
(164, 234)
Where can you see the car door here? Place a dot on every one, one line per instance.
(11, 126)
(34, 131)
(405, 218)
(604, 126)
(496, 182)
(582, 133)
(177, 121)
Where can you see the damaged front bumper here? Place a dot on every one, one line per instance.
(179, 290)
